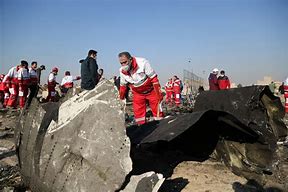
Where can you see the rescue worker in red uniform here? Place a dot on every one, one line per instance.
(52, 84)
(223, 81)
(137, 73)
(169, 92)
(67, 82)
(23, 82)
(213, 80)
(286, 95)
(177, 85)
(4, 91)
(2, 88)
(11, 80)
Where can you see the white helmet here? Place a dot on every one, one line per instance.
(215, 70)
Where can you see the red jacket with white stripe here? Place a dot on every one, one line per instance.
(177, 86)
(12, 76)
(140, 77)
(67, 81)
(2, 84)
(52, 80)
(23, 76)
(169, 86)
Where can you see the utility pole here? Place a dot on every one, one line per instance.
(189, 62)
(190, 77)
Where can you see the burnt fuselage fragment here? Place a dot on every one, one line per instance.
(238, 126)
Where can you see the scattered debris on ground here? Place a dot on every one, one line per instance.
(80, 144)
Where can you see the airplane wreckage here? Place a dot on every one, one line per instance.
(82, 144)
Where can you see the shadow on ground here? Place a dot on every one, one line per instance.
(253, 186)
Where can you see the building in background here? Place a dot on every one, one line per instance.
(267, 80)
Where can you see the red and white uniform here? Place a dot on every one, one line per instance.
(33, 76)
(51, 87)
(145, 86)
(3, 90)
(169, 92)
(177, 91)
(67, 81)
(286, 94)
(11, 81)
(23, 81)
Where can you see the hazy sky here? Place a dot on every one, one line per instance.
(246, 38)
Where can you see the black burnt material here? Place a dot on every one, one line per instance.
(254, 105)
(261, 111)
(237, 126)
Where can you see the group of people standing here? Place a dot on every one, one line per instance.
(66, 84)
(220, 82)
(173, 89)
(18, 83)
(22, 83)
(285, 88)
(136, 74)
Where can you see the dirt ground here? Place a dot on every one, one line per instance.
(212, 176)
(206, 176)
(9, 172)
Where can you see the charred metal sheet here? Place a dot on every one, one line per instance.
(241, 124)
(147, 182)
(195, 134)
(254, 106)
(174, 126)
(257, 108)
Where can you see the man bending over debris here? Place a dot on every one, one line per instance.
(137, 73)
(68, 82)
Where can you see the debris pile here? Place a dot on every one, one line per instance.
(81, 143)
